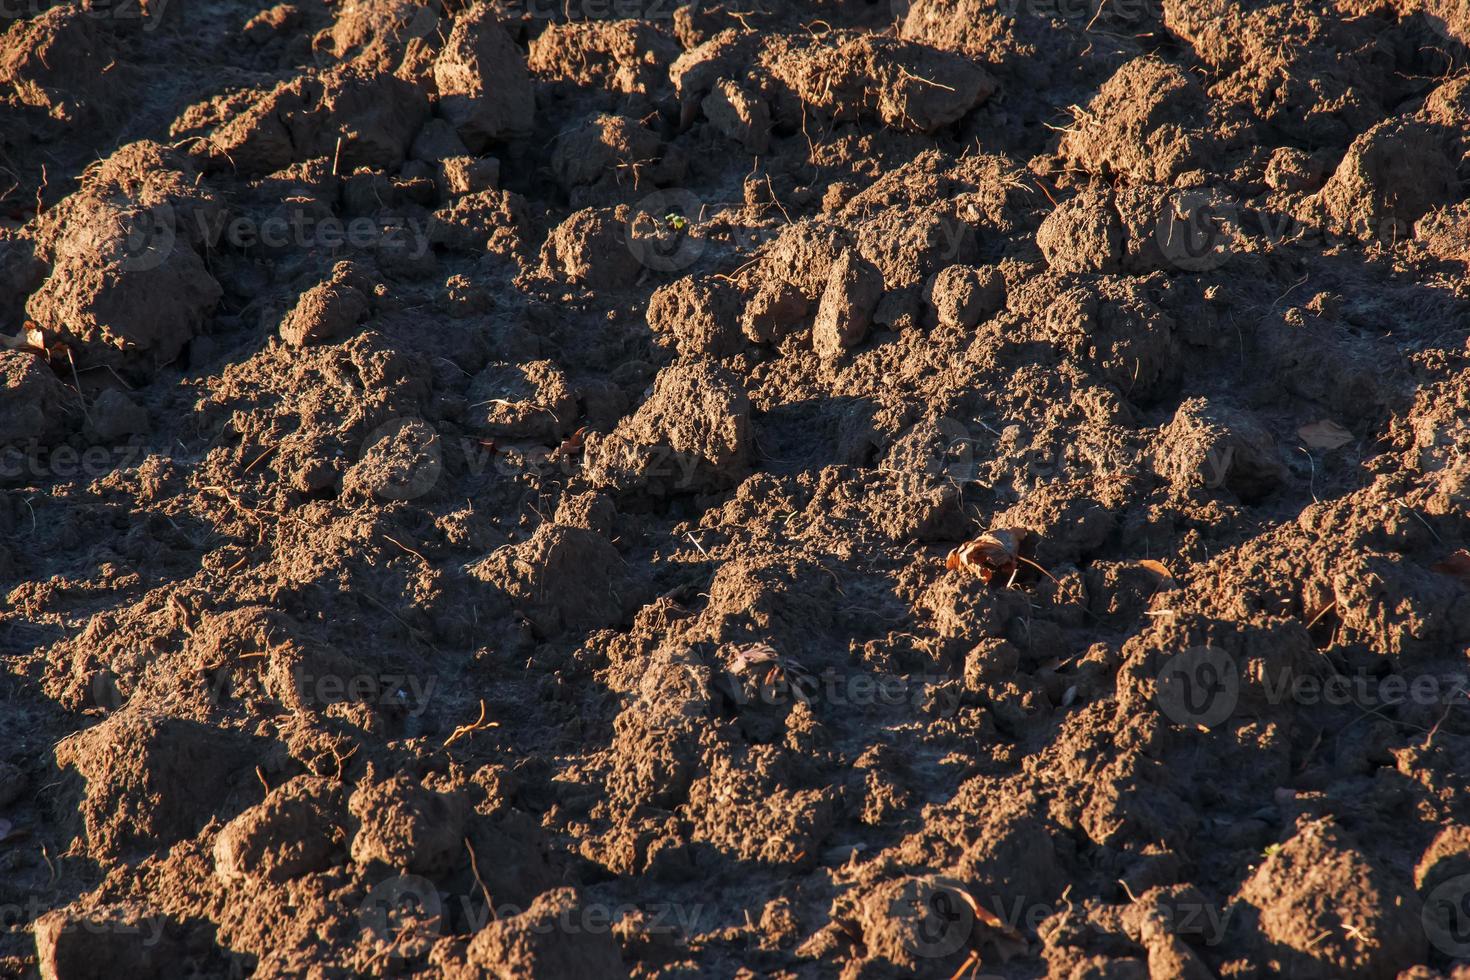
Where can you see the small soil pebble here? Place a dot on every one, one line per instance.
(774, 311)
(406, 826)
(739, 115)
(484, 90)
(110, 941)
(293, 832)
(592, 247)
(1318, 876)
(533, 944)
(701, 315)
(693, 434)
(115, 416)
(963, 296)
(1084, 234)
(523, 401)
(326, 310)
(33, 402)
(845, 314)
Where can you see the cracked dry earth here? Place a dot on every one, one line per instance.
(944, 488)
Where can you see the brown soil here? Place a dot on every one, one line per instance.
(485, 489)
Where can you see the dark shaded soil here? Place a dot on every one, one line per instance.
(484, 490)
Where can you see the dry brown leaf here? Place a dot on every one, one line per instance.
(572, 444)
(988, 918)
(34, 340)
(1325, 435)
(1166, 577)
(1457, 565)
(990, 555)
(1008, 942)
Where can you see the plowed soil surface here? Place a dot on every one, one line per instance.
(949, 488)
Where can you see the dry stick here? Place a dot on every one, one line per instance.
(475, 870)
(78, 381)
(479, 724)
(1042, 187)
(971, 961)
(104, 367)
(1038, 568)
(259, 459)
(407, 548)
(411, 631)
(904, 73)
(775, 200)
(1325, 610)
(50, 866)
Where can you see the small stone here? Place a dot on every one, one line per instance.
(326, 310)
(740, 116)
(854, 287)
(772, 313)
(963, 296)
(468, 175)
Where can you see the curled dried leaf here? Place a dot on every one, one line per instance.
(756, 669)
(1326, 435)
(1166, 577)
(745, 659)
(572, 444)
(1004, 937)
(36, 341)
(994, 553)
